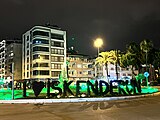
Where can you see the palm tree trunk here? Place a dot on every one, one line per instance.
(133, 76)
(106, 69)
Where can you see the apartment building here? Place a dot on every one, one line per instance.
(80, 67)
(10, 58)
(43, 53)
(121, 73)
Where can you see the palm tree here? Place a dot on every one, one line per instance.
(133, 48)
(146, 46)
(105, 58)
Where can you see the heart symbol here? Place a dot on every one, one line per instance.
(37, 87)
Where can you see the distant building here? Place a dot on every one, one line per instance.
(10, 53)
(44, 53)
(80, 67)
(123, 73)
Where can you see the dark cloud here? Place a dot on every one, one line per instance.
(118, 21)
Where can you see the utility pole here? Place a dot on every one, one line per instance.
(116, 63)
(12, 72)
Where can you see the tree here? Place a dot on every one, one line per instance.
(105, 58)
(156, 60)
(133, 48)
(146, 46)
(127, 60)
(131, 57)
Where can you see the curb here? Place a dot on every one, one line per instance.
(72, 100)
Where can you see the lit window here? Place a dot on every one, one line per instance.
(79, 66)
(112, 68)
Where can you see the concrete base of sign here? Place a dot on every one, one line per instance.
(43, 101)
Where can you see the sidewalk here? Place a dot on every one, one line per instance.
(61, 100)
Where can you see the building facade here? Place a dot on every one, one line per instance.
(80, 67)
(121, 73)
(43, 53)
(10, 59)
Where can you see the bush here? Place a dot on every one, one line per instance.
(144, 83)
(158, 80)
(153, 83)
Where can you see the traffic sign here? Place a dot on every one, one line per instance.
(146, 74)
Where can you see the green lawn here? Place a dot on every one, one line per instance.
(18, 94)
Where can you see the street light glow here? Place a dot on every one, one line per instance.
(98, 42)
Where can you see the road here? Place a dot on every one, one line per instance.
(147, 108)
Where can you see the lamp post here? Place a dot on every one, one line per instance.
(98, 43)
(12, 72)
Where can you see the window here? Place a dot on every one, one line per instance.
(54, 58)
(27, 67)
(27, 38)
(2, 54)
(40, 65)
(112, 68)
(129, 75)
(45, 49)
(55, 73)
(62, 59)
(90, 66)
(27, 74)
(27, 45)
(89, 72)
(44, 72)
(57, 36)
(42, 33)
(57, 59)
(35, 65)
(40, 72)
(40, 41)
(79, 65)
(56, 66)
(24, 37)
(27, 59)
(46, 57)
(74, 65)
(27, 52)
(124, 74)
(57, 51)
(43, 65)
(35, 72)
(85, 66)
(57, 44)
(38, 56)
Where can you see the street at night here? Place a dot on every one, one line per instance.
(145, 108)
(80, 60)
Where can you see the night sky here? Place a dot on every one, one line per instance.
(118, 22)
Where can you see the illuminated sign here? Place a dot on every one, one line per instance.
(98, 88)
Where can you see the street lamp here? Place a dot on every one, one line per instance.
(98, 43)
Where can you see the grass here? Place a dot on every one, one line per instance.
(18, 94)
